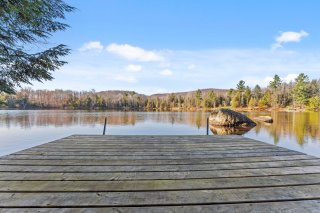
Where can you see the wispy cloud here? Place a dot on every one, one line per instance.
(166, 72)
(134, 68)
(219, 68)
(125, 78)
(133, 53)
(91, 45)
(289, 36)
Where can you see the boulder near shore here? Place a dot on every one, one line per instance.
(230, 118)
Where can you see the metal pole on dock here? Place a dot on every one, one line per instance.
(208, 126)
(105, 124)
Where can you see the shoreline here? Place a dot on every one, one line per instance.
(176, 109)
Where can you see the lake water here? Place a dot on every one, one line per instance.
(23, 129)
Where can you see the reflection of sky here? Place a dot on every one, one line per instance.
(23, 129)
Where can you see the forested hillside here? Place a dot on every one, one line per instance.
(300, 94)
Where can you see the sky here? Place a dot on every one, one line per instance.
(181, 45)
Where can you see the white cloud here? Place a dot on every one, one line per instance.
(289, 78)
(133, 53)
(289, 36)
(265, 81)
(134, 68)
(128, 79)
(218, 68)
(166, 72)
(92, 45)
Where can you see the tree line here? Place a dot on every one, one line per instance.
(301, 93)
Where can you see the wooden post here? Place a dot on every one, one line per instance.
(105, 124)
(207, 125)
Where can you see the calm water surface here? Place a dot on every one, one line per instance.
(23, 129)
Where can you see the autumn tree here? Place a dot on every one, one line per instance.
(252, 103)
(235, 101)
(314, 103)
(25, 27)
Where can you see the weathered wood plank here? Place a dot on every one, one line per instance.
(148, 157)
(157, 140)
(160, 185)
(159, 175)
(144, 138)
(141, 162)
(158, 168)
(190, 143)
(150, 149)
(219, 196)
(186, 143)
(127, 171)
(304, 206)
(148, 153)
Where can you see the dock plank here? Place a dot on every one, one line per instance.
(153, 157)
(159, 174)
(310, 206)
(142, 162)
(158, 185)
(158, 168)
(160, 198)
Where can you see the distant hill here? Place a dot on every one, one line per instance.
(218, 92)
(118, 94)
(110, 99)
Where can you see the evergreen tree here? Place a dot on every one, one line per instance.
(24, 24)
(247, 95)
(198, 98)
(275, 85)
(301, 90)
(211, 99)
(265, 101)
(257, 92)
(241, 88)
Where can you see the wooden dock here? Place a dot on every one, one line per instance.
(84, 173)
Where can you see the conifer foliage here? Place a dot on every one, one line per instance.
(25, 27)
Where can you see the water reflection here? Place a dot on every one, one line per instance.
(303, 126)
(222, 130)
(295, 130)
(29, 119)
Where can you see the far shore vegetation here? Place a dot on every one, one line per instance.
(301, 94)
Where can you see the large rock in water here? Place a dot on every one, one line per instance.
(228, 117)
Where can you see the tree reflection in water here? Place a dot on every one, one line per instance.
(300, 127)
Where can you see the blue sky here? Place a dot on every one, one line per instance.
(174, 45)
